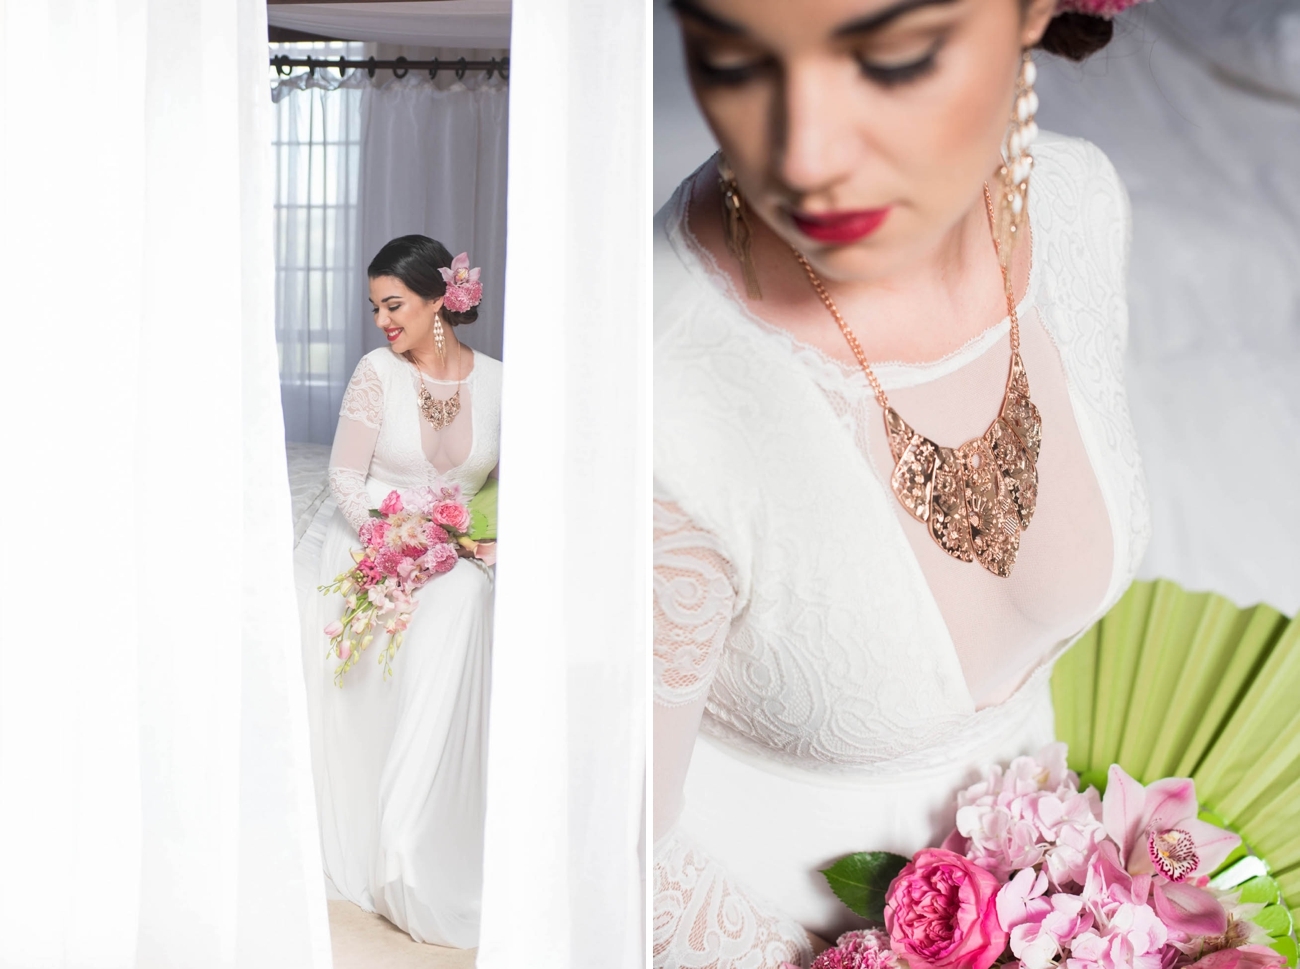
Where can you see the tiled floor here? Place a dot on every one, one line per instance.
(362, 940)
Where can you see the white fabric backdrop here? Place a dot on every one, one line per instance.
(564, 873)
(154, 773)
(430, 158)
(433, 23)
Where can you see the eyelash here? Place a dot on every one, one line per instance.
(900, 74)
(893, 76)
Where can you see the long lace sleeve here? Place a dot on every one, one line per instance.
(702, 918)
(360, 418)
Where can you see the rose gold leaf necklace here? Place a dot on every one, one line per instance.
(975, 499)
(439, 413)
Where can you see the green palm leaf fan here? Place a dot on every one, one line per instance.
(1172, 683)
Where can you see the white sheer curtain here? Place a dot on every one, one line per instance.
(564, 857)
(155, 784)
(360, 162)
(318, 295)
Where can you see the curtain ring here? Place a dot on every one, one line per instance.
(281, 62)
(460, 69)
(433, 71)
(504, 68)
(400, 69)
(370, 65)
(491, 68)
(343, 67)
(311, 67)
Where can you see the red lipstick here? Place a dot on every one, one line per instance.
(839, 228)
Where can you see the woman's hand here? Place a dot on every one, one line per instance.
(818, 944)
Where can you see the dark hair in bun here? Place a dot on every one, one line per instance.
(1076, 35)
(415, 260)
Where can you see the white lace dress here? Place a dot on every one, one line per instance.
(400, 764)
(825, 676)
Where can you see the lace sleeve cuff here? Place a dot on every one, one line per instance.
(694, 596)
(703, 920)
(349, 490)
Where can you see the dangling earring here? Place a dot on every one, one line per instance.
(1013, 202)
(439, 339)
(736, 225)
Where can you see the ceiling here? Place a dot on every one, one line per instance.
(416, 23)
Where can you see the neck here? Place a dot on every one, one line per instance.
(442, 368)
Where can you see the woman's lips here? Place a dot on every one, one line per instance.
(839, 228)
(393, 333)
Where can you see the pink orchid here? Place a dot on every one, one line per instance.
(463, 287)
(333, 629)
(1183, 908)
(345, 650)
(1242, 957)
(1157, 830)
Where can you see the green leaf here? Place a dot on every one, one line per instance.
(860, 881)
(1261, 890)
(1286, 946)
(1275, 920)
(1093, 778)
(376, 513)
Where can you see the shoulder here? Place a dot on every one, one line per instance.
(1081, 198)
(379, 363)
(488, 369)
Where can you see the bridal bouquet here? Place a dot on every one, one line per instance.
(1040, 874)
(408, 540)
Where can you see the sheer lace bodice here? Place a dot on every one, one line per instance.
(383, 438)
(802, 621)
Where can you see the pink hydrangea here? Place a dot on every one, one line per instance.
(860, 949)
(1041, 926)
(1027, 814)
(392, 504)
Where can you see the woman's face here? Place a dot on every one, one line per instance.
(405, 317)
(859, 130)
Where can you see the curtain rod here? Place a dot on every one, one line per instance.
(284, 65)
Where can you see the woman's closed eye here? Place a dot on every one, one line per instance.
(889, 74)
(723, 69)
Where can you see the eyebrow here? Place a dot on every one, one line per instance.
(863, 25)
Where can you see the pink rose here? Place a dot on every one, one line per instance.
(442, 558)
(860, 949)
(451, 514)
(941, 913)
(392, 504)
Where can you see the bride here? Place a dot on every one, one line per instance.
(895, 473)
(400, 762)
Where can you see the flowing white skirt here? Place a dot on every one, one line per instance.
(400, 765)
(774, 827)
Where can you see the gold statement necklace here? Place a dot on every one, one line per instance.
(439, 413)
(975, 499)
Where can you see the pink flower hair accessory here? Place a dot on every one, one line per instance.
(1096, 8)
(463, 287)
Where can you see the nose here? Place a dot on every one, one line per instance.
(813, 134)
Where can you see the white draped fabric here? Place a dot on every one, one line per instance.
(155, 784)
(430, 23)
(360, 162)
(563, 880)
